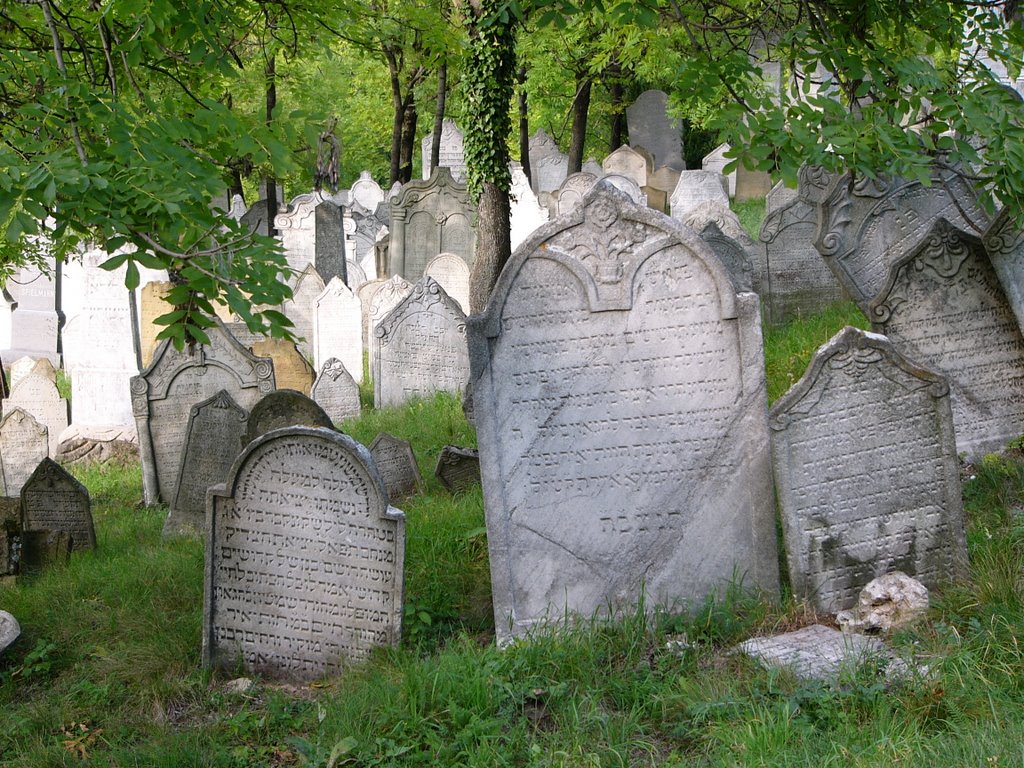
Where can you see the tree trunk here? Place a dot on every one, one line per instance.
(442, 95)
(409, 119)
(580, 109)
(616, 91)
(398, 107)
(524, 127)
(270, 74)
(493, 244)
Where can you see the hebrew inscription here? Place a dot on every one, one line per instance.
(53, 500)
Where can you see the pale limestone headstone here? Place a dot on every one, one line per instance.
(660, 186)
(592, 166)
(23, 444)
(386, 298)
(366, 192)
(1004, 243)
(304, 559)
(452, 274)
(291, 369)
(397, 465)
(420, 347)
(619, 400)
(428, 218)
(151, 306)
(943, 307)
(164, 393)
(570, 194)
(337, 392)
(526, 214)
(626, 161)
(752, 185)
(356, 276)
(37, 394)
(733, 257)
(696, 187)
(548, 171)
(338, 328)
(366, 292)
(53, 500)
(301, 308)
(296, 226)
(716, 161)
(866, 472)
(627, 186)
(650, 127)
(21, 368)
(34, 320)
(452, 154)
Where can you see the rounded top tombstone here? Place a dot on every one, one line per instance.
(284, 408)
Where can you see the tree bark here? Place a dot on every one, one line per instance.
(442, 95)
(409, 119)
(270, 74)
(616, 91)
(580, 109)
(524, 127)
(493, 244)
(398, 116)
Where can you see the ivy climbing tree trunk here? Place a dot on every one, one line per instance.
(490, 85)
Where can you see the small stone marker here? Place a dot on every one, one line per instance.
(570, 194)
(53, 500)
(304, 559)
(42, 549)
(337, 392)
(420, 347)
(284, 408)
(866, 472)
(213, 439)
(458, 468)
(890, 602)
(397, 465)
(23, 444)
(9, 630)
(816, 652)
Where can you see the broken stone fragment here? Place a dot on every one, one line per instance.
(890, 602)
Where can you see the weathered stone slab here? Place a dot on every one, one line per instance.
(23, 444)
(329, 245)
(9, 630)
(301, 308)
(715, 161)
(22, 367)
(366, 192)
(420, 347)
(338, 328)
(570, 194)
(304, 559)
(284, 408)
(816, 652)
(34, 320)
(548, 164)
(296, 227)
(41, 550)
(943, 307)
(164, 393)
(37, 394)
(151, 306)
(53, 500)
(366, 293)
(452, 154)
(397, 465)
(386, 298)
(337, 392)
(619, 399)
(735, 258)
(728, 233)
(752, 185)
(650, 127)
(1004, 243)
(866, 472)
(452, 274)
(696, 187)
(458, 468)
(7, 306)
(628, 162)
(291, 369)
(213, 439)
(85, 445)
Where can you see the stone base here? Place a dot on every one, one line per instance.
(81, 445)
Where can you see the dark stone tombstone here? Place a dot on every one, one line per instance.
(732, 255)
(458, 468)
(330, 241)
(257, 218)
(5, 392)
(284, 408)
(41, 549)
(214, 434)
(55, 501)
(396, 463)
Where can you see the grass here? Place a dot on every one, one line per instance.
(107, 671)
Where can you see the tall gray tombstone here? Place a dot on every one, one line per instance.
(213, 439)
(548, 164)
(428, 218)
(257, 218)
(621, 415)
(942, 306)
(799, 280)
(865, 225)
(304, 558)
(53, 500)
(329, 221)
(164, 393)
(420, 347)
(650, 127)
(452, 155)
(23, 444)
(866, 472)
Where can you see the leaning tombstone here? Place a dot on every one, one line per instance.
(619, 396)
(23, 444)
(942, 306)
(302, 306)
(385, 299)
(420, 347)
(337, 392)
(866, 472)
(284, 408)
(212, 440)
(732, 255)
(304, 559)
(458, 468)
(397, 465)
(53, 500)
(164, 393)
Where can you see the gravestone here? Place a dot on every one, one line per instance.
(151, 306)
(572, 191)
(428, 218)
(9, 630)
(257, 218)
(799, 280)
(339, 328)
(283, 408)
(715, 161)
(696, 187)
(291, 369)
(387, 297)
(88, 445)
(452, 274)
(34, 320)
(356, 275)
(296, 227)
(329, 243)
(337, 392)
(732, 255)
(619, 400)
(37, 394)
(302, 306)
(452, 154)
(650, 127)
(420, 347)
(751, 185)
(213, 439)
(548, 164)
(626, 161)
(23, 444)
(366, 192)
(458, 468)
(627, 186)
(526, 211)
(728, 224)
(866, 472)
(1004, 244)
(942, 306)
(366, 293)
(304, 559)
(22, 367)
(397, 465)
(865, 226)
(164, 393)
(53, 500)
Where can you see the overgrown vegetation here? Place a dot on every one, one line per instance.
(107, 670)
